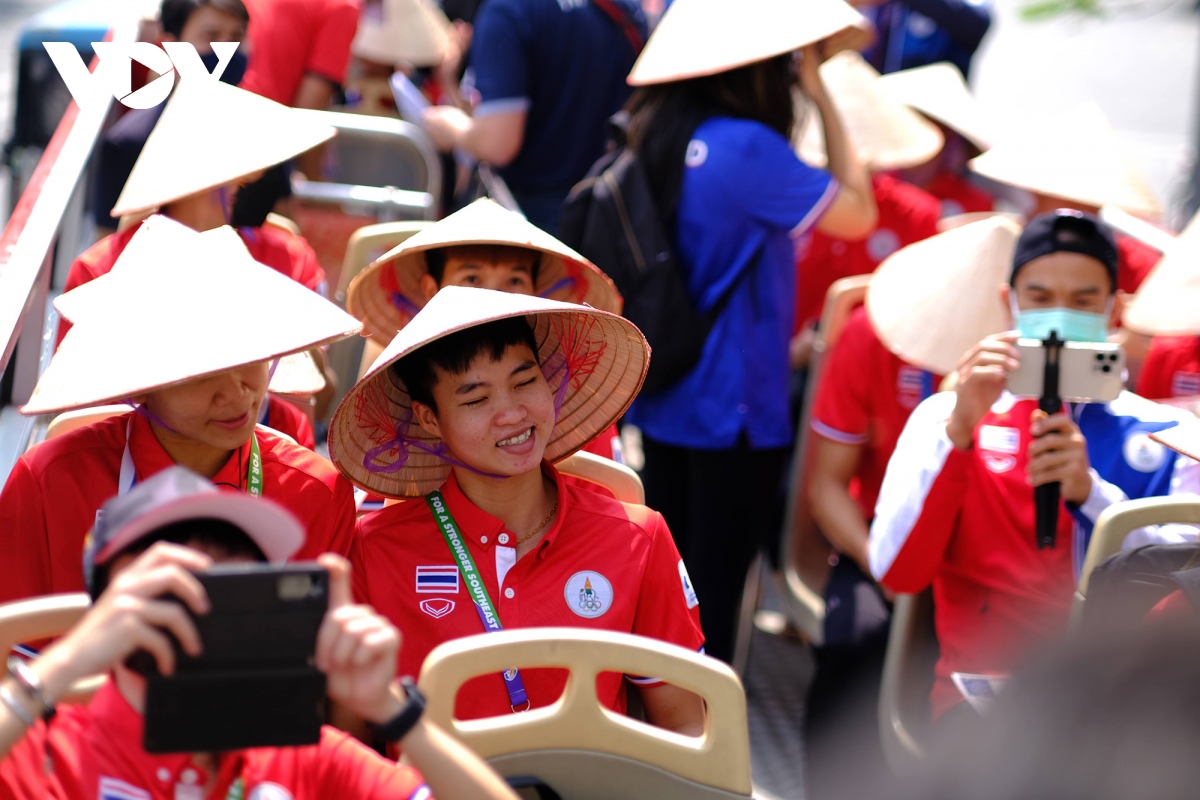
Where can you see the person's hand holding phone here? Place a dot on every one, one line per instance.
(129, 616)
(357, 650)
(982, 376)
(1058, 454)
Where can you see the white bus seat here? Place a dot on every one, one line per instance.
(44, 618)
(1115, 523)
(907, 681)
(282, 223)
(578, 748)
(348, 356)
(82, 417)
(623, 483)
(805, 554)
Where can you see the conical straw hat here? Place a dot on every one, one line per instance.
(1183, 438)
(1168, 301)
(595, 362)
(1076, 157)
(933, 300)
(297, 374)
(966, 218)
(703, 37)
(211, 134)
(387, 294)
(939, 92)
(886, 134)
(411, 31)
(178, 305)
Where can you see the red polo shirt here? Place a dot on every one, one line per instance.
(94, 752)
(958, 195)
(606, 445)
(906, 215)
(280, 250)
(1171, 368)
(865, 396)
(50, 500)
(1135, 261)
(288, 418)
(293, 38)
(624, 553)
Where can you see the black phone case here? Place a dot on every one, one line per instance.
(254, 684)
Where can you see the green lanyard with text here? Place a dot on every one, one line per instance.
(254, 471)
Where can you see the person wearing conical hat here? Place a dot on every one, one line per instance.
(154, 333)
(939, 92)
(889, 137)
(199, 190)
(711, 124)
(956, 509)
(466, 412)
(1075, 160)
(485, 246)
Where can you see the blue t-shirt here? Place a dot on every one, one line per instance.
(565, 63)
(745, 194)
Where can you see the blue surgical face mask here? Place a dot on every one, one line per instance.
(234, 71)
(1072, 325)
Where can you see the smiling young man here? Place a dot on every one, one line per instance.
(179, 330)
(469, 407)
(154, 540)
(956, 508)
(483, 246)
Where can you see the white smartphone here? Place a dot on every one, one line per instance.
(1088, 372)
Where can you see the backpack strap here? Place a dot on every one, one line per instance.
(624, 22)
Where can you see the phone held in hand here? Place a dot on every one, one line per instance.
(255, 683)
(1089, 372)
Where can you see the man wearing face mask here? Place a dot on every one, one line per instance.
(956, 509)
(195, 22)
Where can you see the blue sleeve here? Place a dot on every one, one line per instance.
(500, 60)
(753, 168)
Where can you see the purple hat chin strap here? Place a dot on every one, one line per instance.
(555, 365)
(150, 415)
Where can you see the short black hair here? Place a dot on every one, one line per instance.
(436, 258)
(217, 534)
(174, 14)
(454, 354)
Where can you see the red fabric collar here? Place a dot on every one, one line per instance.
(149, 457)
(476, 523)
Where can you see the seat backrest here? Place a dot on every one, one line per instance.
(1115, 523)
(805, 552)
(282, 223)
(44, 618)
(624, 483)
(907, 681)
(576, 746)
(82, 417)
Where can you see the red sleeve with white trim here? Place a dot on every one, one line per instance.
(842, 410)
(919, 501)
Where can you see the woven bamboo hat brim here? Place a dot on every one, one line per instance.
(412, 31)
(939, 92)
(178, 305)
(387, 294)
(297, 374)
(594, 361)
(1076, 157)
(695, 38)
(1168, 301)
(958, 220)
(932, 301)
(886, 134)
(211, 134)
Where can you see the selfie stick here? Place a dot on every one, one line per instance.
(1046, 496)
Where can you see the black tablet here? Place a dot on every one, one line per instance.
(254, 684)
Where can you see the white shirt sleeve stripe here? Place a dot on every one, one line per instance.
(836, 435)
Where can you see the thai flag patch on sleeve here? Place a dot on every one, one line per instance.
(437, 580)
(113, 789)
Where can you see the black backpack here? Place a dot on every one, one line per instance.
(611, 218)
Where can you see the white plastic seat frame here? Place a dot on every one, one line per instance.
(44, 618)
(717, 761)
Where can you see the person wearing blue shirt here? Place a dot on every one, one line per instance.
(913, 33)
(714, 137)
(548, 74)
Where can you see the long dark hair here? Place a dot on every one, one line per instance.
(664, 117)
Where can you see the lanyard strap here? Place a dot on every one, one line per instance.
(254, 470)
(479, 593)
